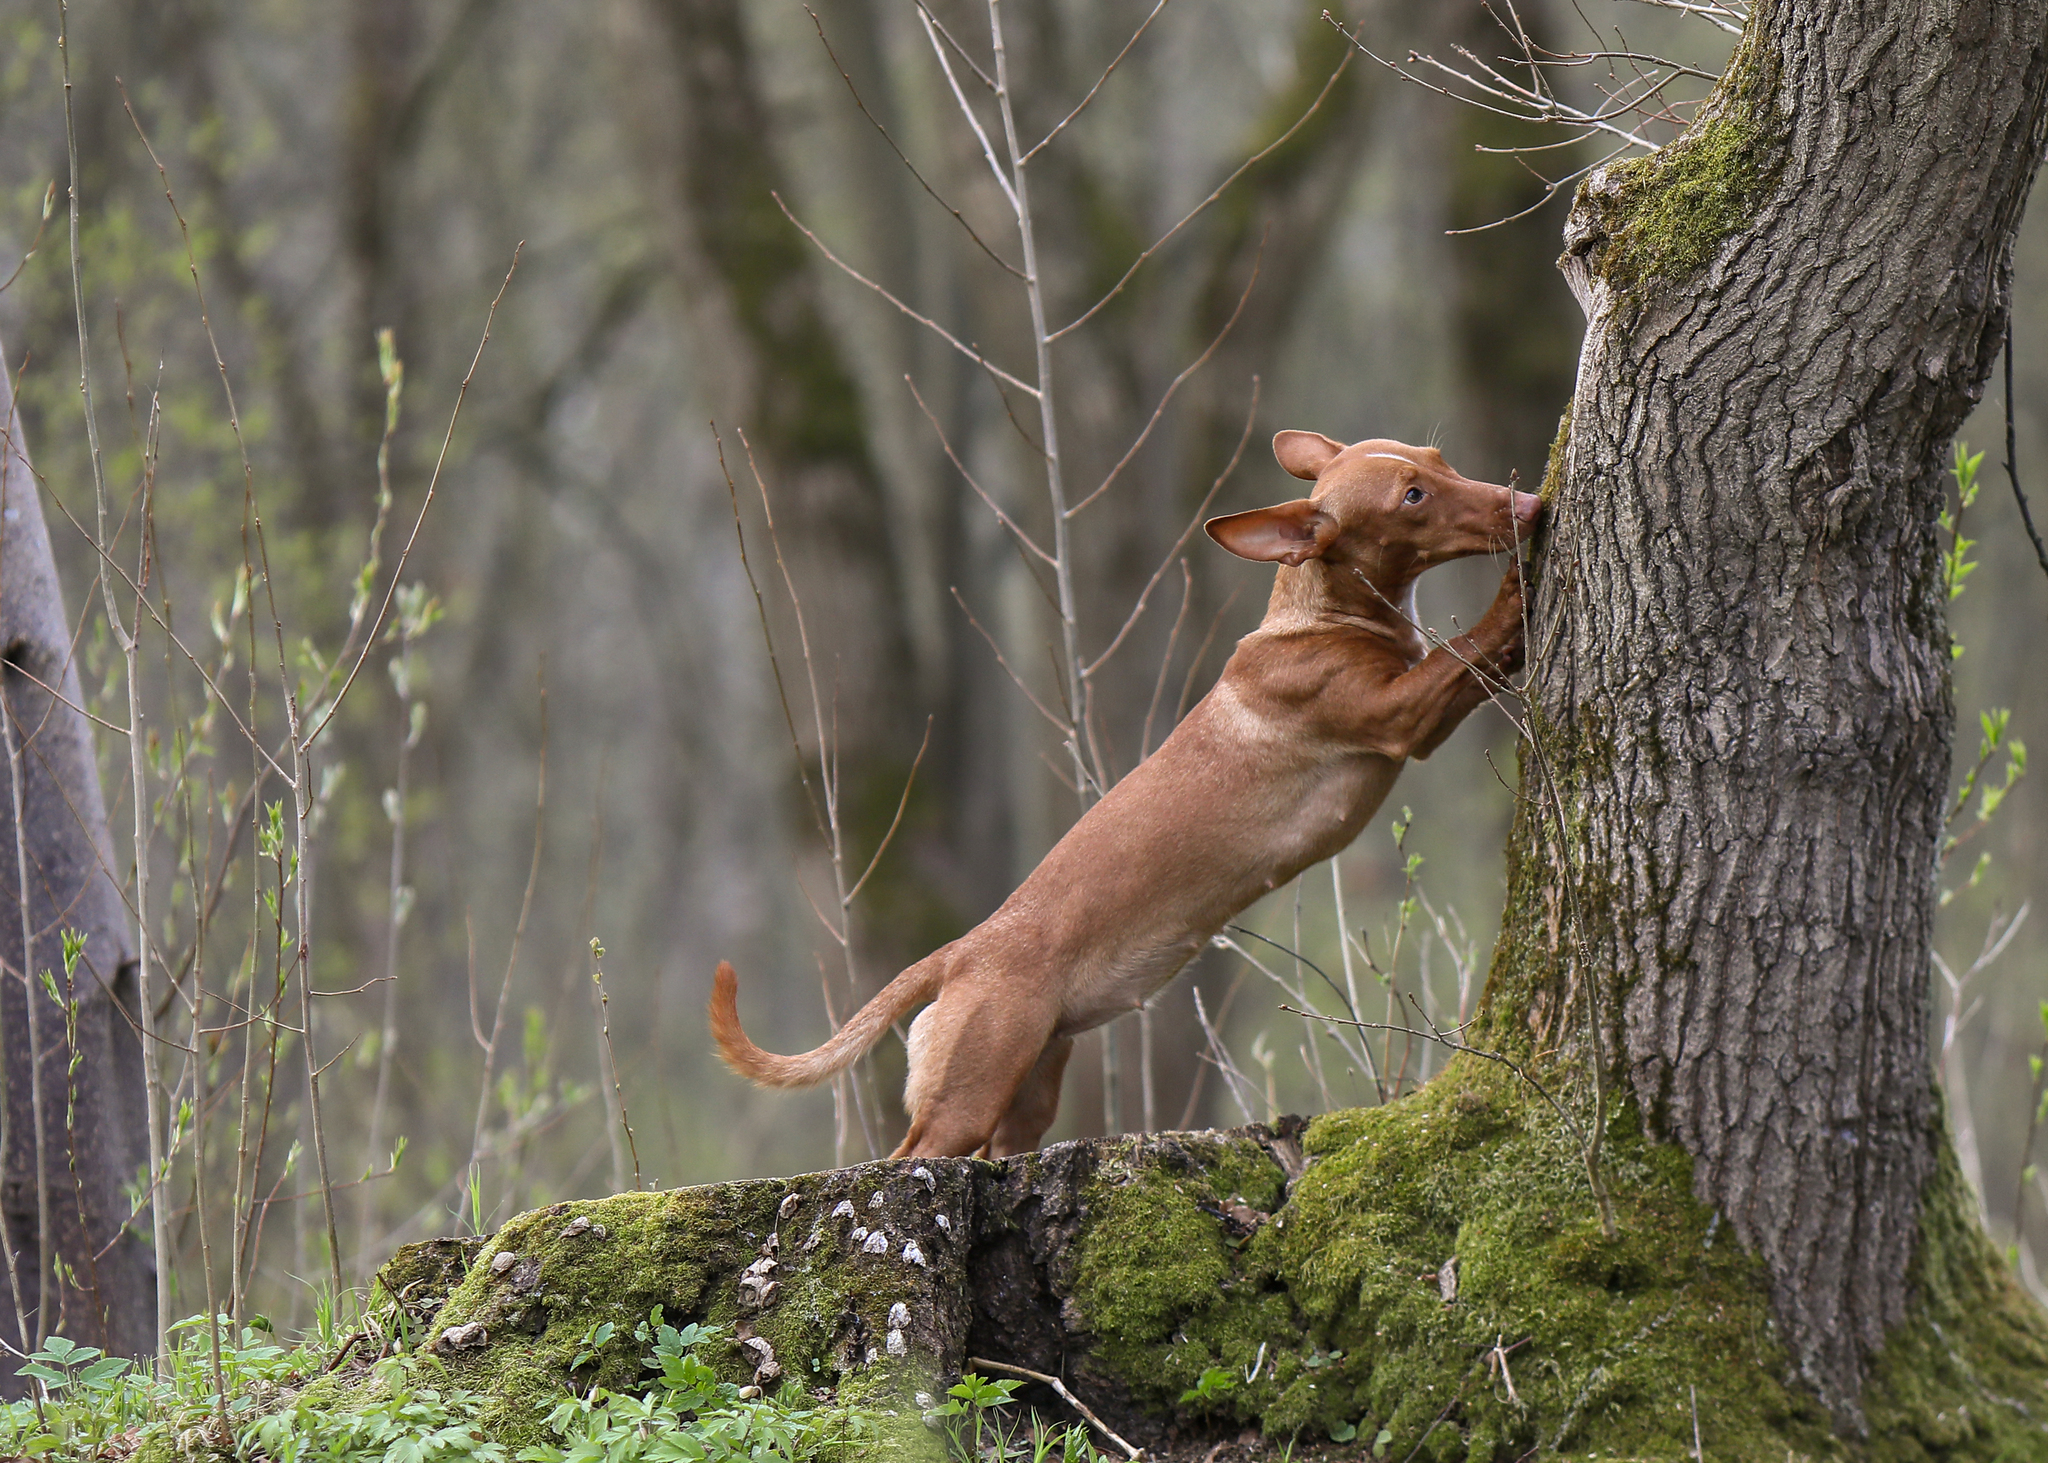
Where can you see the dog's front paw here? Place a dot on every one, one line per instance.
(1499, 634)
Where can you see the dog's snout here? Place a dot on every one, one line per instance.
(1527, 506)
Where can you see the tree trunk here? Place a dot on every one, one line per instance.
(1740, 692)
(92, 1121)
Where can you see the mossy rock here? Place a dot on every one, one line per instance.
(1426, 1280)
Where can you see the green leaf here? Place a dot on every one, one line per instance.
(1343, 1432)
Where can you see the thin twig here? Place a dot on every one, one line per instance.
(540, 814)
(854, 92)
(1159, 243)
(1060, 1387)
(1024, 539)
(1194, 522)
(1082, 105)
(2012, 456)
(1166, 398)
(925, 320)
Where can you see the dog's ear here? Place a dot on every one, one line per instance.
(1304, 453)
(1286, 533)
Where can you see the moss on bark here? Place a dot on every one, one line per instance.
(1309, 1283)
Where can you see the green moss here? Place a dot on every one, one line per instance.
(1338, 1301)
(1668, 213)
(1553, 465)
(1965, 1377)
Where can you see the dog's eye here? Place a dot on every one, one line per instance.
(1414, 495)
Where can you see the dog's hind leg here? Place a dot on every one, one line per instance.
(1036, 1104)
(970, 1053)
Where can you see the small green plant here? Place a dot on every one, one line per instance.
(971, 1418)
(594, 1341)
(1215, 1382)
(1956, 563)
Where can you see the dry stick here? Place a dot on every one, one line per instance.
(959, 50)
(944, 334)
(433, 483)
(1344, 943)
(841, 1086)
(540, 812)
(152, 1077)
(49, 203)
(2011, 456)
(394, 922)
(195, 1062)
(1060, 724)
(1056, 1384)
(1431, 1032)
(21, 1331)
(1526, 107)
(2034, 1114)
(1024, 539)
(1187, 1113)
(304, 807)
(614, 1103)
(1312, 1054)
(1187, 685)
(1222, 1061)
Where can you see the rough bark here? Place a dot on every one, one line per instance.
(94, 1134)
(1741, 691)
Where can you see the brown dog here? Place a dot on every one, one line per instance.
(1277, 768)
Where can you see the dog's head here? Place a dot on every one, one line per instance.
(1390, 509)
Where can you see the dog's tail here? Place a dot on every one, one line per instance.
(861, 1031)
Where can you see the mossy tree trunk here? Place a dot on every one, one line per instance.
(1723, 866)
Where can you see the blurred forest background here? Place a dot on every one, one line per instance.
(370, 165)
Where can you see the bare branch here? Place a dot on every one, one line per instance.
(1201, 509)
(1082, 105)
(933, 325)
(994, 507)
(1723, 17)
(1062, 726)
(895, 822)
(1241, 169)
(1187, 594)
(854, 92)
(987, 148)
(958, 49)
(1193, 366)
